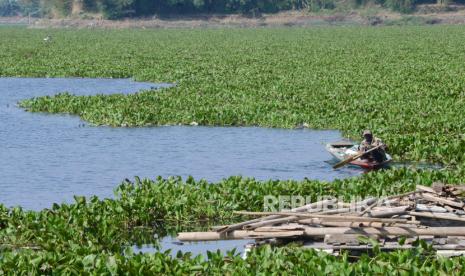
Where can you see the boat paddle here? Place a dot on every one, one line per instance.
(354, 157)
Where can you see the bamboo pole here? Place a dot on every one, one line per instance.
(432, 198)
(382, 200)
(271, 222)
(328, 217)
(437, 216)
(351, 207)
(322, 222)
(335, 211)
(387, 231)
(236, 235)
(236, 226)
(369, 208)
(401, 195)
(353, 224)
(434, 209)
(456, 248)
(270, 232)
(240, 225)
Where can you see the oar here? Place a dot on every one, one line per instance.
(354, 157)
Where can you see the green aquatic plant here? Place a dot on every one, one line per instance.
(64, 235)
(94, 234)
(265, 260)
(404, 83)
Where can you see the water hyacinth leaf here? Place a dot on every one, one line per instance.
(409, 91)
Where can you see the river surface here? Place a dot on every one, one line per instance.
(195, 248)
(47, 158)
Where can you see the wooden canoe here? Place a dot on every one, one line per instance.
(343, 150)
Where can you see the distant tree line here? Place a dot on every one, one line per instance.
(114, 9)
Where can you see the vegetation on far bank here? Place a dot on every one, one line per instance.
(117, 9)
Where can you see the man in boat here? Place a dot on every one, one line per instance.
(369, 142)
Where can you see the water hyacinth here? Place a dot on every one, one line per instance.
(91, 232)
(406, 84)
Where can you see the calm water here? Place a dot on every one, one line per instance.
(196, 248)
(49, 158)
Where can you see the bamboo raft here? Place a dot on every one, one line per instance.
(434, 214)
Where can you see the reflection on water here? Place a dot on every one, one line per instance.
(49, 158)
(196, 248)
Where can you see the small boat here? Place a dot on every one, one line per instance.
(344, 149)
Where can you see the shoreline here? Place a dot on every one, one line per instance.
(425, 15)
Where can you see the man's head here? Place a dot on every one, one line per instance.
(367, 135)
